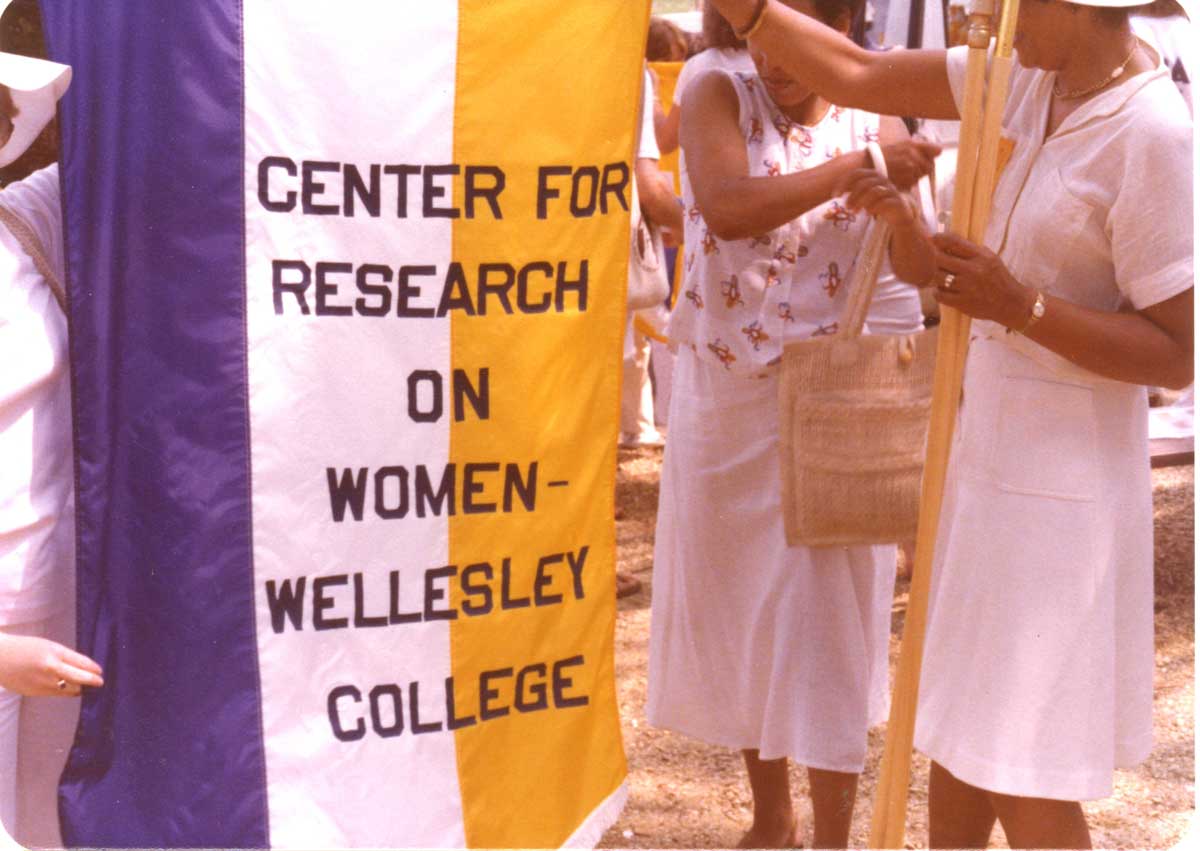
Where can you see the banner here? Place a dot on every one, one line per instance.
(347, 292)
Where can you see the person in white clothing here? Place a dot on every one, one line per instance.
(779, 652)
(661, 208)
(40, 677)
(1039, 659)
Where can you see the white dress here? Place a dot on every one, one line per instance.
(1038, 670)
(755, 645)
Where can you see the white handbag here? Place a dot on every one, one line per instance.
(647, 284)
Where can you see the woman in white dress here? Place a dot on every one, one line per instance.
(779, 652)
(1038, 667)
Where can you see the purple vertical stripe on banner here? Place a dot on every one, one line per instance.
(169, 752)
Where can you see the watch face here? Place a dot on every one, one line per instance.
(1039, 308)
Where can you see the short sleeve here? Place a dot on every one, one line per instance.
(647, 146)
(1150, 221)
(956, 71)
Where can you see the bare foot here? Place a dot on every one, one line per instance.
(771, 836)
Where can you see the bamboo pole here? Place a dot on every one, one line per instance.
(974, 176)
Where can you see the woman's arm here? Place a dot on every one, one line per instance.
(1150, 346)
(893, 82)
(909, 249)
(736, 205)
(656, 195)
(666, 128)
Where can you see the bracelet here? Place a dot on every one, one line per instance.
(1035, 313)
(760, 15)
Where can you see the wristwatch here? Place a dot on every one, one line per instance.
(1035, 313)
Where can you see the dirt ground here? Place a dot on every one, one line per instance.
(686, 794)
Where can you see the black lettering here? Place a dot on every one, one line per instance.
(464, 391)
(384, 294)
(350, 490)
(310, 187)
(542, 579)
(403, 173)
(537, 689)
(432, 191)
(434, 593)
(562, 285)
(610, 187)
(587, 209)
(577, 570)
(400, 474)
(392, 691)
(563, 682)
(456, 295)
(286, 603)
(279, 286)
(486, 694)
(500, 289)
(434, 380)
(361, 618)
(326, 289)
(404, 292)
(395, 616)
(470, 590)
(507, 601)
(525, 489)
(353, 186)
(335, 720)
(453, 721)
(414, 708)
(490, 193)
(264, 180)
(544, 191)
(434, 501)
(321, 602)
(523, 302)
(471, 488)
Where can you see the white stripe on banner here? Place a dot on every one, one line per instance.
(329, 87)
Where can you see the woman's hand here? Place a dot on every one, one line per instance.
(867, 189)
(909, 160)
(35, 667)
(972, 279)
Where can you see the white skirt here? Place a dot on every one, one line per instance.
(755, 645)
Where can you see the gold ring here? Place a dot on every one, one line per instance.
(947, 281)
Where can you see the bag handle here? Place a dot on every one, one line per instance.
(29, 241)
(866, 270)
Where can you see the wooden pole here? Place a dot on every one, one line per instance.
(974, 176)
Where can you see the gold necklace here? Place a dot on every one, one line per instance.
(1107, 81)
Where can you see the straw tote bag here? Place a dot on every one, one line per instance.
(854, 412)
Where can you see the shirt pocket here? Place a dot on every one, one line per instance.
(1046, 439)
(1045, 222)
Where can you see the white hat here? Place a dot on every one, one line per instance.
(36, 86)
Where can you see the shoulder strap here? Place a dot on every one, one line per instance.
(866, 270)
(29, 241)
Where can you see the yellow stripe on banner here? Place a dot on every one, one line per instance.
(546, 93)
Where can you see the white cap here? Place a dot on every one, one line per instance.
(36, 86)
